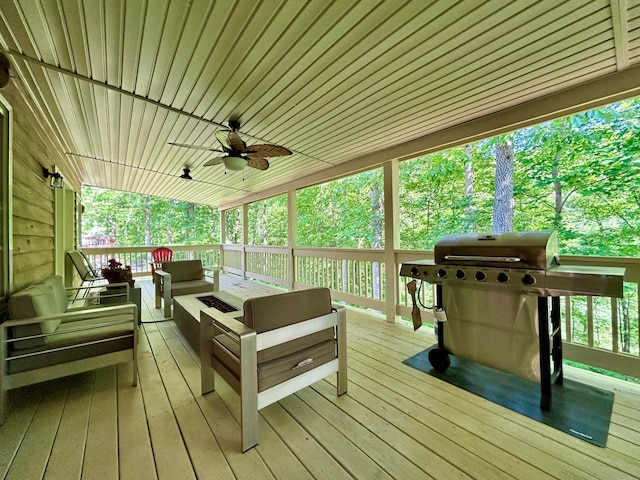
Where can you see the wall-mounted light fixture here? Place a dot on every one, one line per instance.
(55, 179)
(5, 70)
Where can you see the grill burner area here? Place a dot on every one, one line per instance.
(215, 302)
(526, 262)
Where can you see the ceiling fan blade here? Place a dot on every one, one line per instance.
(266, 150)
(257, 162)
(237, 145)
(212, 162)
(197, 147)
(223, 138)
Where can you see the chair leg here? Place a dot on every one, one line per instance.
(216, 281)
(4, 405)
(158, 289)
(342, 351)
(249, 392)
(249, 422)
(207, 377)
(166, 294)
(134, 380)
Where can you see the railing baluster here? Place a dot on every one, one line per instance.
(614, 326)
(567, 319)
(590, 321)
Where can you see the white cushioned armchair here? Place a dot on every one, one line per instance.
(281, 344)
(183, 277)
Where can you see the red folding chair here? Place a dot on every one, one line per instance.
(159, 255)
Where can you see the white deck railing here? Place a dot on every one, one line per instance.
(139, 258)
(601, 332)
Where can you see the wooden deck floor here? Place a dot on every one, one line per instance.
(395, 422)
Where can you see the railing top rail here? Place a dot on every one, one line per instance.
(149, 248)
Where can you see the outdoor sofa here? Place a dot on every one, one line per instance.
(46, 337)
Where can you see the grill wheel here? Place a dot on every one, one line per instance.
(439, 359)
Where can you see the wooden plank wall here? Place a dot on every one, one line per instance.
(33, 216)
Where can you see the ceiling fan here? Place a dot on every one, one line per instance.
(237, 154)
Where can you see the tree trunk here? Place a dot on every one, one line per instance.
(169, 229)
(263, 224)
(213, 233)
(376, 235)
(469, 210)
(557, 193)
(147, 221)
(376, 218)
(625, 320)
(503, 196)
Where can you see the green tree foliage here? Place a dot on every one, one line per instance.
(268, 222)
(345, 213)
(132, 219)
(233, 226)
(579, 175)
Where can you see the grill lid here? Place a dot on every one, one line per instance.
(536, 250)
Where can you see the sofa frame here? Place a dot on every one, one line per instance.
(88, 324)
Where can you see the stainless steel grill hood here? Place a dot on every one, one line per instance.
(524, 261)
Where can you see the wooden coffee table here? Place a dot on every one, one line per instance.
(186, 313)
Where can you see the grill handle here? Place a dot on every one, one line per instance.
(481, 258)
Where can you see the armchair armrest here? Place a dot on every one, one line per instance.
(123, 297)
(287, 333)
(76, 315)
(163, 289)
(210, 322)
(214, 274)
(99, 317)
(250, 342)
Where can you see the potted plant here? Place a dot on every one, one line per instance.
(115, 272)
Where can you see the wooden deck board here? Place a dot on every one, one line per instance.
(273, 452)
(394, 422)
(16, 426)
(135, 453)
(169, 451)
(67, 454)
(36, 445)
(101, 450)
(465, 409)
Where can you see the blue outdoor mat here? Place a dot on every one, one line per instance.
(577, 409)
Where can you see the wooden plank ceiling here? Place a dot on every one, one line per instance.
(334, 81)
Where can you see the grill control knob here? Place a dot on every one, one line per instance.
(503, 278)
(528, 280)
(481, 276)
(459, 274)
(414, 272)
(442, 273)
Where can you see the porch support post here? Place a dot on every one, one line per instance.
(223, 235)
(292, 237)
(244, 224)
(391, 238)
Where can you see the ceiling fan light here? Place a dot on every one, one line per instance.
(234, 163)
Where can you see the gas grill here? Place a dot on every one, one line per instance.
(493, 294)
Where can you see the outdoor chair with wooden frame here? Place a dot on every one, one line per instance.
(281, 344)
(159, 255)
